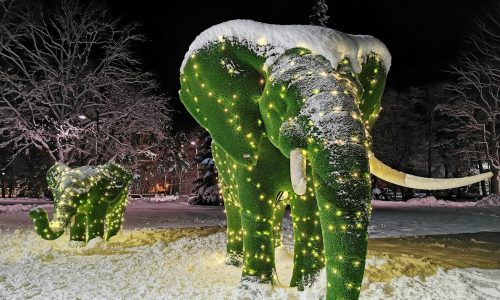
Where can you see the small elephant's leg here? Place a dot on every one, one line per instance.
(308, 240)
(115, 215)
(95, 219)
(229, 188)
(344, 207)
(78, 228)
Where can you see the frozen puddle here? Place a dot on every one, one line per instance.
(189, 264)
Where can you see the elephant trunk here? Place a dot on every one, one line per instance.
(55, 228)
(42, 226)
(342, 186)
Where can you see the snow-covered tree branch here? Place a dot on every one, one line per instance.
(475, 111)
(72, 88)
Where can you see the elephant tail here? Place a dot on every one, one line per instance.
(42, 226)
(387, 173)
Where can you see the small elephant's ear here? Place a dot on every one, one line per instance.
(117, 171)
(54, 174)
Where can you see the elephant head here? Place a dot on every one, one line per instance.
(78, 193)
(305, 97)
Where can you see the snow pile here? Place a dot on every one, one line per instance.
(429, 201)
(270, 41)
(467, 283)
(176, 264)
(21, 207)
(491, 200)
(154, 199)
(168, 198)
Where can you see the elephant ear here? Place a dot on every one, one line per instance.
(114, 179)
(116, 173)
(54, 174)
(372, 78)
(220, 86)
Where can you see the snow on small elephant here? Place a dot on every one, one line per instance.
(290, 109)
(91, 200)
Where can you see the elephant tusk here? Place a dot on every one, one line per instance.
(298, 171)
(387, 173)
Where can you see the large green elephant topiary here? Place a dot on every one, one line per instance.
(92, 199)
(290, 109)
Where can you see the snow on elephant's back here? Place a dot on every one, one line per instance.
(270, 41)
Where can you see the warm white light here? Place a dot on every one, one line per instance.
(82, 117)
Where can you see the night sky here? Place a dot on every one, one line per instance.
(423, 36)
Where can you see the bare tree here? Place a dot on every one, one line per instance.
(319, 14)
(71, 87)
(474, 110)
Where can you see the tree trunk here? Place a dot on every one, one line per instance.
(482, 183)
(493, 149)
(429, 151)
(484, 192)
(429, 154)
(495, 184)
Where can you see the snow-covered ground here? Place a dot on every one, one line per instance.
(151, 259)
(177, 264)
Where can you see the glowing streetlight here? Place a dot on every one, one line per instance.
(3, 184)
(84, 117)
(193, 143)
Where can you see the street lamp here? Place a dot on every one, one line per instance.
(193, 143)
(3, 184)
(84, 117)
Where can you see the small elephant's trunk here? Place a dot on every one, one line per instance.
(43, 228)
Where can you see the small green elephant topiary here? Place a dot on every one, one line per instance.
(92, 199)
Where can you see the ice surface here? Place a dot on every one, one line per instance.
(270, 41)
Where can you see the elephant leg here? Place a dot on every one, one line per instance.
(115, 215)
(228, 186)
(234, 232)
(258, 187)
(78, 228)
(95, 219)
(308, 240)
(343, 194)
(256, 221)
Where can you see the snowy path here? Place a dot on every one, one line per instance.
(388, 219)
(411, 221)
